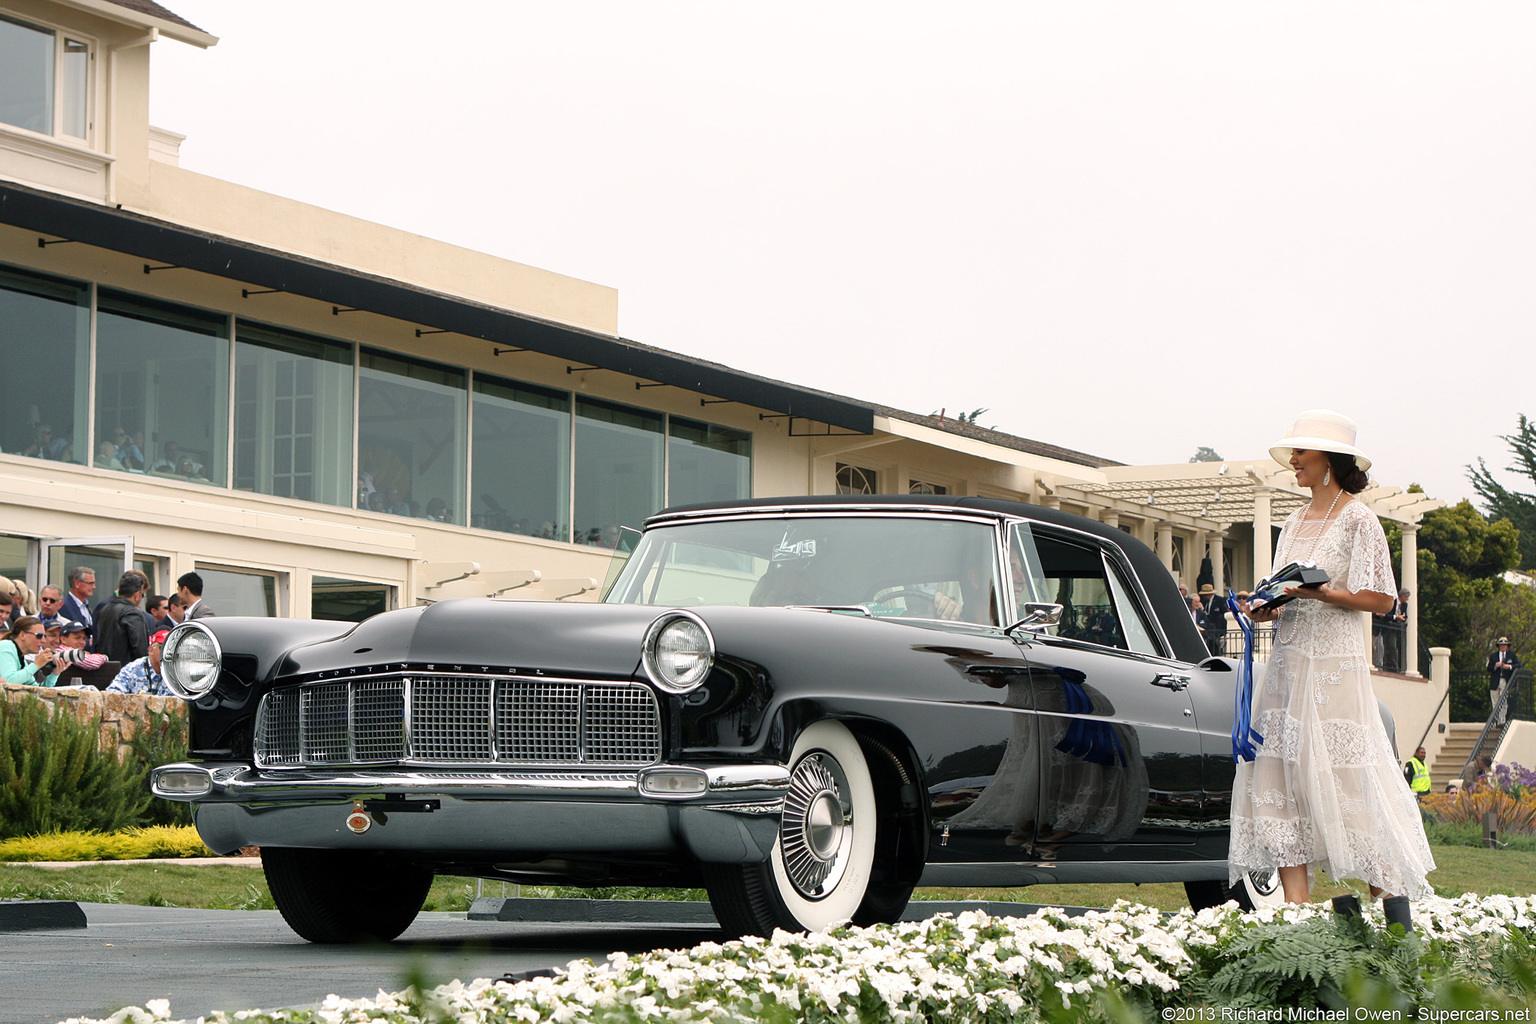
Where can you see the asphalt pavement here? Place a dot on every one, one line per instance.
(51, 969)
(207, 960)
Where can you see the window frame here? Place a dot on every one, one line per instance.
(1118, 573)
(62, 37)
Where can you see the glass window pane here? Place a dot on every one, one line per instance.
(162, 388)
(707, 463)
(411, 438)
(293, 415)
(26, 76)
(348, 600)
(522, 463)
(74, 98)
(618, 469)
(857, 480)
(13, 557)
(231, 592)
(44, 394)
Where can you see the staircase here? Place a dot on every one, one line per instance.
(1459, 740)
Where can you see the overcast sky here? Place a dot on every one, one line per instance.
(1126, 228)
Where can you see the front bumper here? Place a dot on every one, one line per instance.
(726, 814)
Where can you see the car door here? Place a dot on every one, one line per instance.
(1118, 744)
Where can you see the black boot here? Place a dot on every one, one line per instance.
(1346, 906)
(1396, 910)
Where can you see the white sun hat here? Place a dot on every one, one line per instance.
(1320, 430)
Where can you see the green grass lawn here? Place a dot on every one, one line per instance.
(167, 883)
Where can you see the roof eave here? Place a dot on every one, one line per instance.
(128, 16)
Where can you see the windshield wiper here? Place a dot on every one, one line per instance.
(861, 609)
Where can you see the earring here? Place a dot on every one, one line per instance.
(1327, 476)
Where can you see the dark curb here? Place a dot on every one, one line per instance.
(36, 915)
(582, 911)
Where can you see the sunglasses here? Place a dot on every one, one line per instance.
(39, 636)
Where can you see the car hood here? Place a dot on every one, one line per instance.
(480, 634)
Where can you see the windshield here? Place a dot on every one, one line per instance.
(902, 565)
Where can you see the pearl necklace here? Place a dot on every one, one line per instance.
(1310, 548)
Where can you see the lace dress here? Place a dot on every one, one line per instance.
(1325, 789)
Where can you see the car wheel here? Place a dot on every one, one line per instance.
(819, 870)
(1255, 889)
(334, 896)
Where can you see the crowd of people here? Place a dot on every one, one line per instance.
(121, 451)
(63, 638)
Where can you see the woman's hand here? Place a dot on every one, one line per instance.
(1317, 593)
(1263, 613)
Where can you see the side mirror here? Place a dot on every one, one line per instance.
(1038, 615)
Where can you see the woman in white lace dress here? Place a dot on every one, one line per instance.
(1325, 790)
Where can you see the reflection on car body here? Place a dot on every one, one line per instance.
(807, 706)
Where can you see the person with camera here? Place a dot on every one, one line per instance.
(24, 660)
(1323, 790)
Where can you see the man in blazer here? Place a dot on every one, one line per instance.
(1503, 663)
(190, 588)
(77, 603)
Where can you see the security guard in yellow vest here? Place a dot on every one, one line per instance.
(1416, 774)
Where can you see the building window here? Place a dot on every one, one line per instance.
(618, 469)
(45, 326)
(293, 415)
(239, 591)
(707, 463)
(521, 459)
(923, 487)
(411, 438)
(344, 600)
(45, 79)
(857, 480)
(162, 389)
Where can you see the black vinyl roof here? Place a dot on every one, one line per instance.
(166, 243)
(1167, 603)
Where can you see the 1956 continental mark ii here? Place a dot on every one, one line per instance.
(807, 706)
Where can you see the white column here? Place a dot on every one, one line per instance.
(1192, 570)
(1050, 501)
(1110, 518)
(1164, 534)
(1263, 551)
(1410, 577)
(1218, 561)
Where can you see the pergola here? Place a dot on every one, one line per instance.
(1260, 493)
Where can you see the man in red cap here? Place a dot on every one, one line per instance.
(143, 675)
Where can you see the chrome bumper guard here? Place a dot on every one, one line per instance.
(724, 814)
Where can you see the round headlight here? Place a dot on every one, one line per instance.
(190, 660)
(678, 652)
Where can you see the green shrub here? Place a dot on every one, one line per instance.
(162, 739)
(53, 778)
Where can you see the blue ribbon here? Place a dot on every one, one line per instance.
(1245, 740)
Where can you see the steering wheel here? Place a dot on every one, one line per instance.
(925, 610)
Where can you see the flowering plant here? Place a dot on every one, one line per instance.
(967, 968)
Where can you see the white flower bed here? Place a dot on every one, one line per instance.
(972, 967)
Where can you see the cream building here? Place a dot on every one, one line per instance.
(326, 416)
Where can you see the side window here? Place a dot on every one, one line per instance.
(1096, 607)
(1137, 636)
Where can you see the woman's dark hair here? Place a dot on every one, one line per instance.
(22, 625)
(1350, 476)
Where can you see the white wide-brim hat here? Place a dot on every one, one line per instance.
(1320, 430)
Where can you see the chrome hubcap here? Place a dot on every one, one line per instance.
(818, 826)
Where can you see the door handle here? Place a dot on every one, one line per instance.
(1172, 680)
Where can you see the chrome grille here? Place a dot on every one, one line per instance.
(436, 718)
(451, 718)
(619, 720)
(537, 722)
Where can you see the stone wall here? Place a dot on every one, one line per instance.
(122, 715)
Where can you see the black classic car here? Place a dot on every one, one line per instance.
(807, 706)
